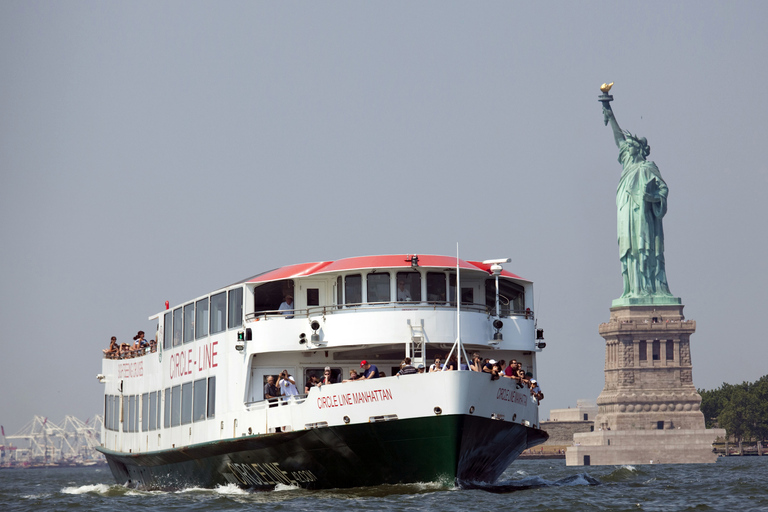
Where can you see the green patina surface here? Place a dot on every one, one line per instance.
(641, 203)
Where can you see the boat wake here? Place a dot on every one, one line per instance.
(533, 482)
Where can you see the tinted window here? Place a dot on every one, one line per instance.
(200, 394)
(201, 318)
(211, 397)
(670, 350)
(153, 410)
(175, 406)
(167, 331)
(409, 286)
(436, 287)
(236, 308)
(378, 287)
(145, 412)
(186, 403)
(189, 322)
(178, 327)
(353, 289)
(167, 416)
(643, 351)
(218, 312)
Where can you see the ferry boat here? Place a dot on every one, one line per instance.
(190, 410)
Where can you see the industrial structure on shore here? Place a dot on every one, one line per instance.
(42, 443)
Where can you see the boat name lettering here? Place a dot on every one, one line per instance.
(511, 396)
(354, 398)
(182, 362)
(130, 370)
(268, 473)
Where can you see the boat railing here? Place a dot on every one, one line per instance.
(315, 311)
(131, 352)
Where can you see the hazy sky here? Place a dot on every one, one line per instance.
(154, 151)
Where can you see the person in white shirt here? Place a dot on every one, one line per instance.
(287, 386)
(286, 308)
(403, 294)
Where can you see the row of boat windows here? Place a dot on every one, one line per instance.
(208, 315)
(183, 404)
(224, 310)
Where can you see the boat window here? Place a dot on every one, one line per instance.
(175, 406)
(452, 288)
(178, 327)
(378, 287)
(511, 296)
(211, 397)
(153, 410)
(167, 409)
(235, 308)
(201, 318)
(467, 295)
(186, 403)
(189, 322)
(409, 286)
(313, 296)
(319, 372)
(167, 331)
(643, 351)
(670, 350)
(339, 294)
(269, 296)
(145, 412)
(131, 413)
(436, 287)
(218, 312)
(200, 395)
(353, 289)
(108, 412)
(116, 413)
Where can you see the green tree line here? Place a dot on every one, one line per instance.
(741, 409)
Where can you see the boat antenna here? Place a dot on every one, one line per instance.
(458, 307)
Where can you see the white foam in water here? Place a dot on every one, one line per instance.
(83, 489)
(628, 467)
(284, 487)
(229, 489)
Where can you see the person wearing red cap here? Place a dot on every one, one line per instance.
(371, 372)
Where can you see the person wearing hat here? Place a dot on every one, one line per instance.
(420, 368)
(371, 372)
(286, 308)
(536, 391)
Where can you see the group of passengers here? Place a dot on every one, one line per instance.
(139, 347)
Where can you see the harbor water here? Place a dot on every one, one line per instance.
(733, 483)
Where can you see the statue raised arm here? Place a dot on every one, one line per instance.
(641, 203)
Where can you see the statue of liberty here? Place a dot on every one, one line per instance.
(641, 202)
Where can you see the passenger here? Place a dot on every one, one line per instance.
(271, 392)
(353, 375)
(139, 344)
(113, 350)
(510, 370)
(477, 363)
(406, 368)
(287, 386)
(495, 371)
(536, 391)
(125, 351)
(371, 372)
(286, 308)
(488, 367)
(152, 346)
(436, 366)
(382, 374)
(327, 377)
(403, 294)
(311, 383)
(420, 368)
(451, 364)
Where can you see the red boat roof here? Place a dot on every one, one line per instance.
(366, 262)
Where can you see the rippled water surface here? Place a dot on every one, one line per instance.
(732, 484)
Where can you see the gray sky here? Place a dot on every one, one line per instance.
(154, 151)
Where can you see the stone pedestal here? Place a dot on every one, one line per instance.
(649, 407)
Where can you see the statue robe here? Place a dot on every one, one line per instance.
(640, 231)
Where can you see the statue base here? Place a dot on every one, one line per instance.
(667, 300)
